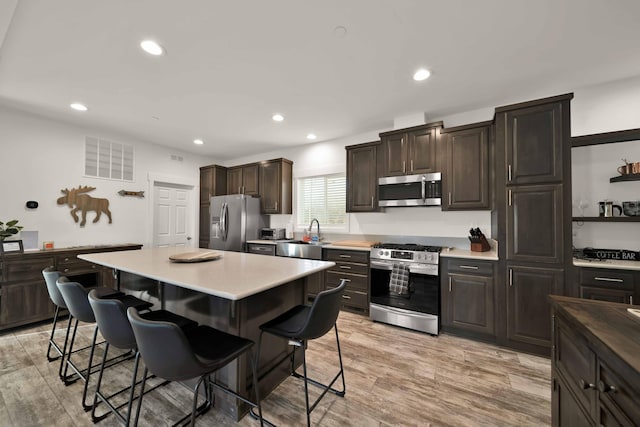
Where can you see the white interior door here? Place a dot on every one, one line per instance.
(171, 216)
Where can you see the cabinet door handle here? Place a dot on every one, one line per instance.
(609, 279)
(469, 267)
(449, 284)
(605, 388)
(404, 164)
(66, 270)
(510, 277)
(345, 267)
(449, 197)
(510, 201)
(276, 205)
(509, 173)
(586, 385)
(371, 202)
(631, 299)
(411, 165)
(240, 189)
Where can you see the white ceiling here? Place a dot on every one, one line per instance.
(231, 64)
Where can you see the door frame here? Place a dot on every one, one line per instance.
(190, 185)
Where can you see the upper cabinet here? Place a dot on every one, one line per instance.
(466, 179)
(213, 182)
(244, 179)
(410, 151)
(534, 144)
(362, 177)
(276, 186)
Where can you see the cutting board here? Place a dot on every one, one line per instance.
(355, 243)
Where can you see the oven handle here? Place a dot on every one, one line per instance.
(428, 270)
(403, 312)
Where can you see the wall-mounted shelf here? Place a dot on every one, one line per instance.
(606, 219)
(606, 138)
(629, 177)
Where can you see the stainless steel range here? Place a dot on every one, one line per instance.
(405, 286)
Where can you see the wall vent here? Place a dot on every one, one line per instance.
(176, 158)
(107, 159)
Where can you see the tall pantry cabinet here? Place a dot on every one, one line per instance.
(533, 217)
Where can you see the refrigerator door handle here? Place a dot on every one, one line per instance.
(223, 224)
(226, 220)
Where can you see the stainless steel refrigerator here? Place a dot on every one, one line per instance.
(234, 220)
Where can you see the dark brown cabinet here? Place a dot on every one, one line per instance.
(23, 293)
(532, 214)
(352, 266)
(213, 182)
(276, 186)
(607, 285)
(595, 364)
(535, 226)
(362, 177)
(410, 151)
(534, 144)
(244, 179)
(466, 180)
(528, 309)
(468, 299)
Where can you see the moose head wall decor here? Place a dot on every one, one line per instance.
(77, 200)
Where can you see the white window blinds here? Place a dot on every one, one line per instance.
(106, 159)
(324, 198)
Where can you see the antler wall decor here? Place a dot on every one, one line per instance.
(77, 200)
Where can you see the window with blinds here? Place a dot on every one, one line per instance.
(322, 197)
(107, 159)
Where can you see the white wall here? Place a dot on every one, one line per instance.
(40, 157)
(596, 109)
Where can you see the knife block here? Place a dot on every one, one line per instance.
(481, 246)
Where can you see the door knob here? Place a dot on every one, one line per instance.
(188, 237)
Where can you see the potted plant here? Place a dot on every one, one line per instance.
(9, 229)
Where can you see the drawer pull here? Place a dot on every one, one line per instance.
(345, 256)
(585, 385)
(66, 259)
(604, 388)
(66, 270)
(346, 297)
(609, 279)
(346, 280)
(469, 267)
(345, 267)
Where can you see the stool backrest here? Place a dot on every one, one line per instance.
(164, 348)
(111, 317)
(323, 314)
(51, 275)
(75, 296)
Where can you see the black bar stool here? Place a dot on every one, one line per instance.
(111, 318)
(76, 298)
(303, 323)
(178, 355)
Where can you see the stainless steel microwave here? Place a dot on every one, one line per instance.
(410, 190)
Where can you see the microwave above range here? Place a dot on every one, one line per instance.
(410, 190)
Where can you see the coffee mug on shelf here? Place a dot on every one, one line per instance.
(631, 208)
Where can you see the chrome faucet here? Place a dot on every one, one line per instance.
(311, 225)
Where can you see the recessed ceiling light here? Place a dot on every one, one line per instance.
(152, 47)
(79, 107)
(198, 141)
(277, 117)
(311, 136)
(421, 74)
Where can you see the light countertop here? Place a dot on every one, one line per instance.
(325, 246)
(235, 275)
(491, 255)
(608, 263)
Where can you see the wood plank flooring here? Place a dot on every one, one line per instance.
(394, 377)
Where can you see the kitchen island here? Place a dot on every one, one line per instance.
(236, 293)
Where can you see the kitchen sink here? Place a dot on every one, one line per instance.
(300, 249)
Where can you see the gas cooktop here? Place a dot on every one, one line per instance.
(408, 247)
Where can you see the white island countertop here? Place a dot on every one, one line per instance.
(233, 276)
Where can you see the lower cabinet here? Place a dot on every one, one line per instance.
(468, 298)
(607, 285)
(24, 297)
(591, 386)
(528, 308)
(353, 266)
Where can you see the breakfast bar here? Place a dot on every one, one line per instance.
(234, 292)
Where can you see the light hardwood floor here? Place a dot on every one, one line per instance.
(394, 377)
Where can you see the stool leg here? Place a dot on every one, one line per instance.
(51, 342)
(306, 385)
(254, 368)
(64, 375)
(86, 383)
(144, 381)
(95, 395)
(133, 387)
(344, 387)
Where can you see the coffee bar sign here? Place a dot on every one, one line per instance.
(616, 254)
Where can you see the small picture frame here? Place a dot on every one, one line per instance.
(11, 246)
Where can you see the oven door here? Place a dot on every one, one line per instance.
(424, 288)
